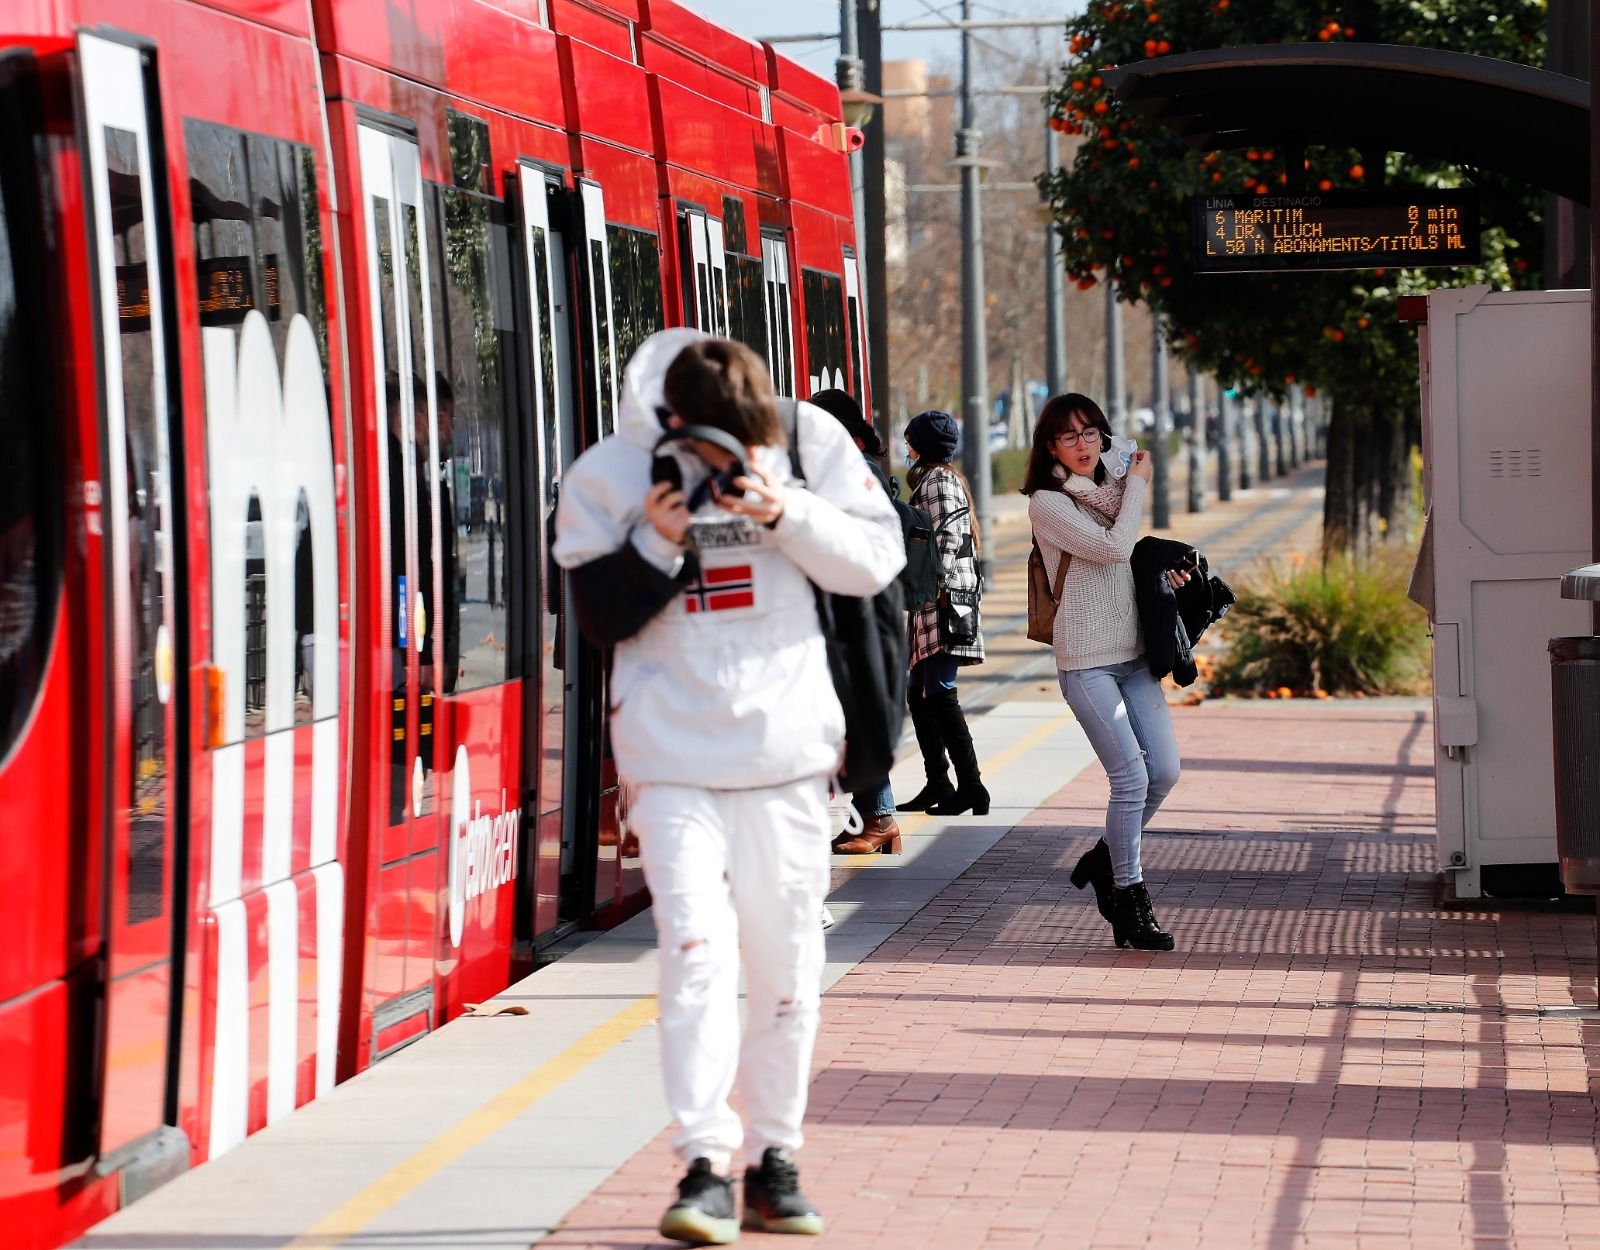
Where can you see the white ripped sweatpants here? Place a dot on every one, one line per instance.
(736, 873)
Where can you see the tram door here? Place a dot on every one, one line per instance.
(780, 333)
(143, 636)
(402, 365)
(549, 311)
(583, 886)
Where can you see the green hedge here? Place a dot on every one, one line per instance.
(1007, 469)
(1342, 629)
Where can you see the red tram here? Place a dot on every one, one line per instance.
(303, 310)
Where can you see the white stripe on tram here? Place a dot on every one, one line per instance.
(230, 1064)
(329, 880)
(227, 823)
(283, 998)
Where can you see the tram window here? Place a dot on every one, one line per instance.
(785, 342)
(547, 360)
(692, 315)
(470, 387)
(427, 612)
(733, 224)
(149, 626)
(719, 299)
(257, 232)
(775, 354)
(30, 503)
(255, 621)
(747, 311)
(258, 245)
(825, 336)
(854, 311)
(635, 287)
(602, 332)
(395, 464)
(470, 159)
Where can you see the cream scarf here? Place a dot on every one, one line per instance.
(1103, 502)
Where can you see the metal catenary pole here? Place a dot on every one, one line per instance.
(849, 74)
(1280, 427)
(1243, 419)
(1055, 289)
(1116, 384)
(1197, 440)
(876, 214)
(1227, 424)
(1297, 425)
(1160, 385)
(974, 347)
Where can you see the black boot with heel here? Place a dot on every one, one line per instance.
(970, 794)
(1094, 868)
(931, 743)
(1133, 922)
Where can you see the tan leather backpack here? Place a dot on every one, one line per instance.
(1043, 599)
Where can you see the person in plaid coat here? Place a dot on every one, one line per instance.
(937, 487)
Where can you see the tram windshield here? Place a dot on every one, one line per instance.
(30, 496)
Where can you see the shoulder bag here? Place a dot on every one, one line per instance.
(1044, 599)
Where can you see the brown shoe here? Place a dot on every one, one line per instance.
(880, 837)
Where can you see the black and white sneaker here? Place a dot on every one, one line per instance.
(773, 1202)
(703, 1214)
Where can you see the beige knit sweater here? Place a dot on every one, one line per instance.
(1098, 621)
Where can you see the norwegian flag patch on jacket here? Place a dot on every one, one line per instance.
(721, 590)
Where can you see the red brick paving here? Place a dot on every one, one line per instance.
(997, 1074)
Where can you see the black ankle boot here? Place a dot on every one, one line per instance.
(936, 791)
(970, 793)
(1094, 868)
(1133, 923)
(931, 743)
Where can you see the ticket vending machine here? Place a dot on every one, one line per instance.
(1506, 480)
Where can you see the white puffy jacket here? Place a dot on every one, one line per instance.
(727, 687)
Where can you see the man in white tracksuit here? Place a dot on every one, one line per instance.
(726, 731)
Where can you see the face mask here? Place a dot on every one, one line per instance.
(1119, 456)
(910, 460)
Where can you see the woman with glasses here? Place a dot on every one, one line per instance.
(1082, 514)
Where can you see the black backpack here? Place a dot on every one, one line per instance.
(866, 641)
(924, 574)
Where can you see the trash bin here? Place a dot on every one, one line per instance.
(1575, 704)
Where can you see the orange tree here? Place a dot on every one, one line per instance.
(1121, 211)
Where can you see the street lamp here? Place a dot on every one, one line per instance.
(858, 103)
(966, 155)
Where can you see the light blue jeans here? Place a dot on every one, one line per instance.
(876, 802)
(1125, 717)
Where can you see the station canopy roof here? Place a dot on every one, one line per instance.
(1494, 115)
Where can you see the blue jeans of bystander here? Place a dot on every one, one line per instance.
(878, 801)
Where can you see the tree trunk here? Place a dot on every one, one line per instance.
(1338, 505)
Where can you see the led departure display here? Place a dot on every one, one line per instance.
(1335, 230)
